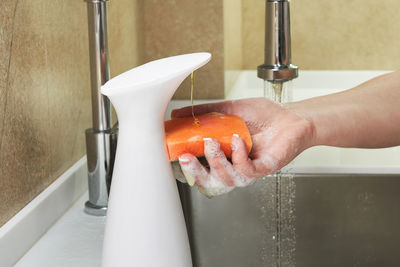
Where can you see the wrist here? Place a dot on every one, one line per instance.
(306, 122)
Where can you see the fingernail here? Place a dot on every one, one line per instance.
(234, 145)
(212, 148)
(183, 160)
(190, 180)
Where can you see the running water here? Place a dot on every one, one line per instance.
(284, 199)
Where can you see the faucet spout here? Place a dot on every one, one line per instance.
(277, 65)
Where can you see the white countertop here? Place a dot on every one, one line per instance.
(75, 240)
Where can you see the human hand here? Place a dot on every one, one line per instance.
(278, 136)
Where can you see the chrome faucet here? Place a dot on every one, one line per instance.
(277, 65)
(101, 139)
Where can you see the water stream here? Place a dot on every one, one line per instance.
(284, 207)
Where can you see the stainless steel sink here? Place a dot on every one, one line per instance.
(326, 220)
(340, 209)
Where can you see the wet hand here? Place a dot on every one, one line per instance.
(278, 135)
(221, 177)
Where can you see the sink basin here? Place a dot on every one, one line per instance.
(338, 207)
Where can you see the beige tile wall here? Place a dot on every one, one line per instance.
(172, 27)
(327, 34)
(233, 39)
(45, 89)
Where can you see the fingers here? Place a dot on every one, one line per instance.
(219, 165)
(222, 177)
(242, 164)
(193, 170)
(208, 183)
(221, 170)
(240, 158)
(263, 164)
(222, 107)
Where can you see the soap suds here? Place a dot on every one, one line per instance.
(270, 161)
(210, 183)
(212, 149)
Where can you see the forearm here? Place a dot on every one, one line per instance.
(367, 116)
